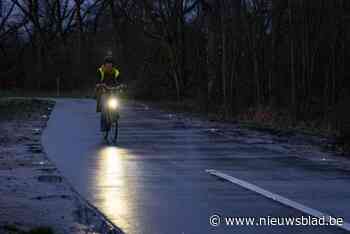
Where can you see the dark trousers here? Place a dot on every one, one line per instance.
(101, 105)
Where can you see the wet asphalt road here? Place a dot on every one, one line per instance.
(154, 181)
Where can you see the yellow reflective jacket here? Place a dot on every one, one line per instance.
(105, 75)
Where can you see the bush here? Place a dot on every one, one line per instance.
(41, 230)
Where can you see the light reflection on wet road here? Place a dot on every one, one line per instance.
(155, 182)
(111, 177)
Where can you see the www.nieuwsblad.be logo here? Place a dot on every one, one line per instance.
(217, 220)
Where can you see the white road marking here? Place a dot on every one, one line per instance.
(277, 198)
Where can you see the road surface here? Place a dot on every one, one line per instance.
(155, 181)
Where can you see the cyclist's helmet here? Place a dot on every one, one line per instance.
(108, 59)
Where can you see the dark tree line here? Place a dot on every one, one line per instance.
(227, 56)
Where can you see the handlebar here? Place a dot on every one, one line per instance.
(111, 88)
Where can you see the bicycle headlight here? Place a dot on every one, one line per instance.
(113, 103)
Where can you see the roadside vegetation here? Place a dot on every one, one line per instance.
(13, 229)
(15, 115)
(268, 62)
(17, 108)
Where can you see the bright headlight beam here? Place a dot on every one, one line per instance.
(113, 103)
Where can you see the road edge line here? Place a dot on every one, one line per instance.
(278, 198)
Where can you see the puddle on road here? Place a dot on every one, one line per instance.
(48, 197)
(35, 149)
(50, 179)
(48, 169)
(12, 164)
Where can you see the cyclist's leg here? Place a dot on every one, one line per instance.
(103, 113)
